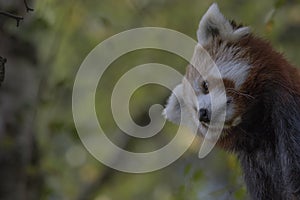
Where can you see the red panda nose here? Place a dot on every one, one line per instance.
(203, 115)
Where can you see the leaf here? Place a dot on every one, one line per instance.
(187, 169)
(198, 175)
(279, 3)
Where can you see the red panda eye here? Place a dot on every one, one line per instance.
(205, 87)
(228, 101)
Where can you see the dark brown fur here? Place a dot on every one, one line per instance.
(267, 141)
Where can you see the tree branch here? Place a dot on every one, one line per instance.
(2, 69)
(16, 17)
(27, 7)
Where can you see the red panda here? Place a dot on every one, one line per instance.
(262, 124)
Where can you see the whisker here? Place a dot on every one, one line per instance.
(240, 93)
(243, 131)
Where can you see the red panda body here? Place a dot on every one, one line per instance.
(262, 125)
(267, 141)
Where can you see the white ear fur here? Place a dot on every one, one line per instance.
(241, 32)
(214, 23)
(172, 112)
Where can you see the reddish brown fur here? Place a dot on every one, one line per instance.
(267, 66)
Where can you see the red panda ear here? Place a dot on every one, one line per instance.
(213, 24)
(172, 112)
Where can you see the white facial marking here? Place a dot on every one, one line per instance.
(204, 101)
(237, 72)
(230, 68)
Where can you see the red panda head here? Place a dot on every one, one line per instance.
(243, 61)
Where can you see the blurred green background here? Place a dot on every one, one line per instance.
(44, 54)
